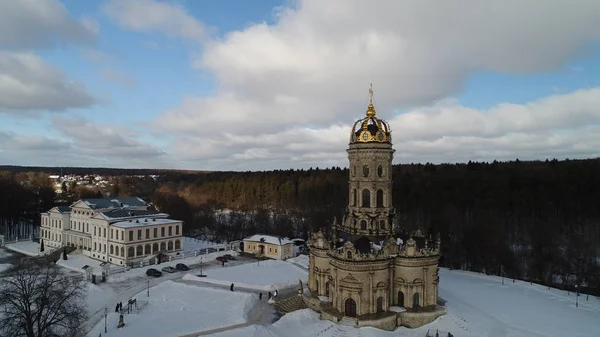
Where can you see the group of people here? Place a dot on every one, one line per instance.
(271, 295)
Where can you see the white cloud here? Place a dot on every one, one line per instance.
(152, 16)
(29, 83)
(32, 24)
(278, 83)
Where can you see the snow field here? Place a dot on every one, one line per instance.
(5, 266)
(264, 276)
(177, 309)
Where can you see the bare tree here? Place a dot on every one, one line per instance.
(38, 300)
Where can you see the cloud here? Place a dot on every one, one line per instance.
(28, 83)
(117, 78)
(105, 140)
(97, 56)
(310, 69)
(13, 142)
(150, 16)
(34, 24)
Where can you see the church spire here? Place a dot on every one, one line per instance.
(371, 108)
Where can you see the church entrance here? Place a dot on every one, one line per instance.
(261, 249)
(379, 304)
(400, 298)
(350, 308)
(416, 301)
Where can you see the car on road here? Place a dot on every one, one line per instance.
(229, 257)
(182, 267)
(153, 272)
(221, 259)
(169, 269)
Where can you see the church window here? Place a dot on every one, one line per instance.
(354, 198)
(366, 198)
(379, 198)
(366, 170)
(380, 171)
(363, 225)
(349, 255)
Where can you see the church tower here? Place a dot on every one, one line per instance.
(369, 212)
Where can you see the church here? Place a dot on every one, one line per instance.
(362, 271)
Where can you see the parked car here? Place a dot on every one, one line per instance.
(229, 257)
(153, 272)
(182, 267)
(222, 259)
(169, 269)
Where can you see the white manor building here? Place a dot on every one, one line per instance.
(120, 231)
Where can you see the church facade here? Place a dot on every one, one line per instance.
(361, 269)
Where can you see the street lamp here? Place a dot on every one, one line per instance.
(576, 295)
(148, 288)
(105, 314)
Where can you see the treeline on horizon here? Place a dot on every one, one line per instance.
(535, 220)
(103, 171)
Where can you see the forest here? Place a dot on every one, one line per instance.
(536, 220)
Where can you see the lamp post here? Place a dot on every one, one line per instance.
(105, 314)
(148, 288)
(576, 295)
(201, 261)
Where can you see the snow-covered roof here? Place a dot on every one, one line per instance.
(270, 239)
(144, 222)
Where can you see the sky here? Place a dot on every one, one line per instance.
(277, 84)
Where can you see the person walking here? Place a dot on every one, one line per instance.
(269, 295)
(231, 288)
(260, 296)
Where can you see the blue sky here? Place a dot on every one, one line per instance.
(229, 85)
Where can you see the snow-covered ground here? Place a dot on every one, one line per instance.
(478, 305)
(4, 266)
(191, 244)
(28, 248)
(266, 276)
(76, 262)
(301, 260)
(176, 309)
(5, 253)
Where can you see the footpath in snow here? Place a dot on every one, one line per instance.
(265, 276)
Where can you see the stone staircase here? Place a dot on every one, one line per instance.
(289, 304)
(347, 321)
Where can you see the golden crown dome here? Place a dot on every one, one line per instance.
(370, 129)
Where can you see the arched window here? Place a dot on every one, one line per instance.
(349, 255)
(122, 252)
(400, 298)
(382, 224)
(130, 252)
(354, 196)
(379, 198)
(416, 302)
(363, 225)
(366, 170)
(140, 250)
(177, 244)
(380, 171)
(379, 304)
(170, 246)
(366, 198)
(155, 248)
(111, 250)
(147, 249)
(163, 246)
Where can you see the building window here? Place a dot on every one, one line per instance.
(366, 170)
(380, 171)
(117, 234)
(354, 197)
(177, 230)
(130, 235)
(379, 198)
(366, 198)
(95, 248)
(87, 227)
(155, 232)
(170, 230)
(111, 234)
(275, 250)
(94, 230)
(104, 231)
(363, 225)
(104, 250)
(162, 232)
(269, 249)
(147, 233)
(139, 234)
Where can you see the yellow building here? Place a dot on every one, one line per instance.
(269, 246)
(363, 270)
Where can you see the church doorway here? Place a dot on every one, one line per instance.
(416, 301)
(350, 308)
(326, 288)
(261, 249)
(400, 298)
(379, 304)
